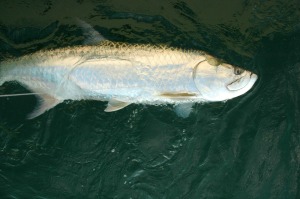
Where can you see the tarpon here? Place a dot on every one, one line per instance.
(123, 74)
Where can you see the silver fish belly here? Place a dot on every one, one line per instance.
(115, 72)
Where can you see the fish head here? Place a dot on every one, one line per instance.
(217, 81)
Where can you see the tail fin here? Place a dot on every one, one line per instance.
(2, 75)
(5, 71)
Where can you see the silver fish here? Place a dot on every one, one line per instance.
(123, 74)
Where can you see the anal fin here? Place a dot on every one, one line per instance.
(45, 103)
(115, 105)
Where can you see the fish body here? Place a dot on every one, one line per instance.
(123, 74)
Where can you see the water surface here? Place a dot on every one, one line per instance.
(247, 147)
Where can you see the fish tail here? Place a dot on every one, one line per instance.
(2, 74)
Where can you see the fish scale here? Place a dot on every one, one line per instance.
(123, 74)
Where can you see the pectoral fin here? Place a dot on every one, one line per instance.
(115, 105)
(45, 103)
(184, 110)
(178, 96)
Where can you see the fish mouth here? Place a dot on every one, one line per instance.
(240, 83)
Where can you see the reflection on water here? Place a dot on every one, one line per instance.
(247, 147)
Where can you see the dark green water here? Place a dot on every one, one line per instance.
(248, 147)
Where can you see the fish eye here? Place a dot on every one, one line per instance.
(238, 71)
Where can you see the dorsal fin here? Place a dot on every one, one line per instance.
(92, 37)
